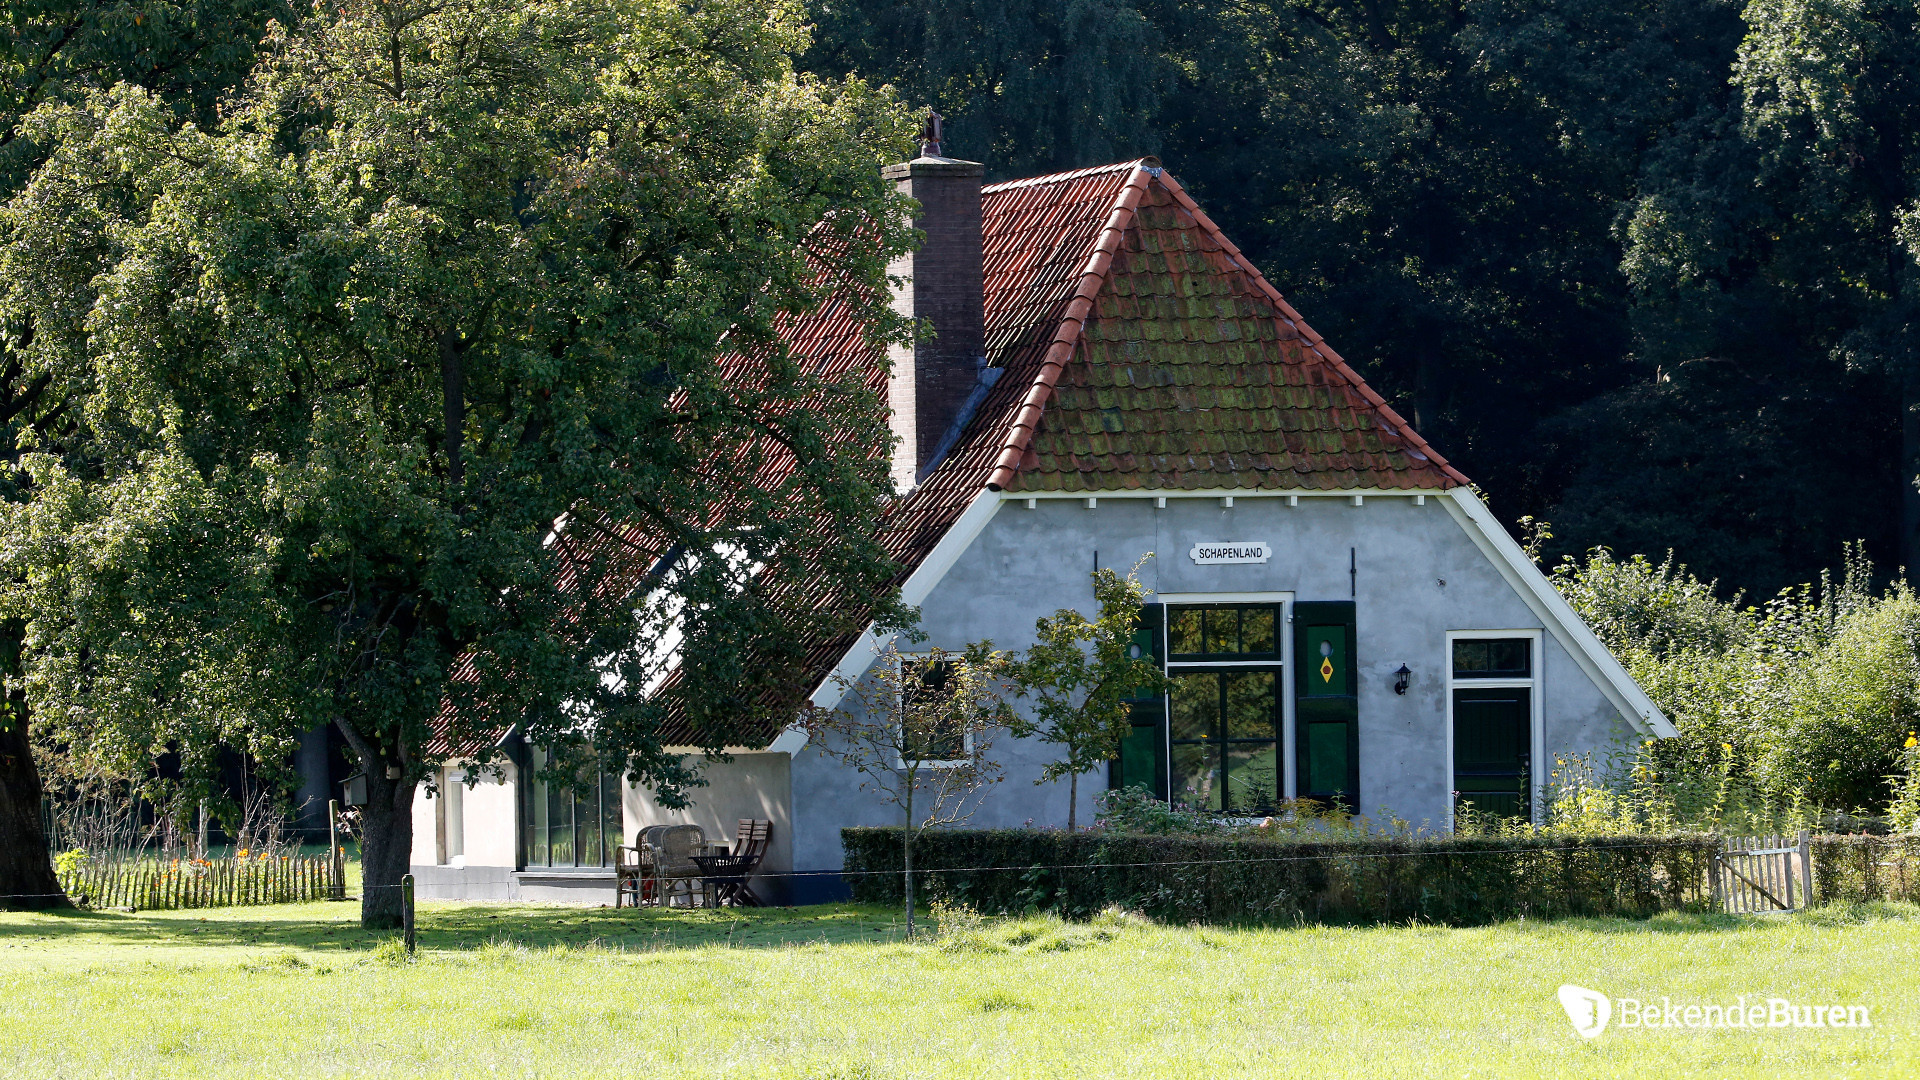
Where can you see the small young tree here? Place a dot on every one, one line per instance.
(1082, 675)
(918, 727)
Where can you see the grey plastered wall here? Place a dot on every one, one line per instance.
(1416, 575)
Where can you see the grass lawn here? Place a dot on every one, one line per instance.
(300, 991)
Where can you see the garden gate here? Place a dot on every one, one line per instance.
(1760, 874)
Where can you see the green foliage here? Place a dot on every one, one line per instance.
(1027, 87)
(1081, 675)
(1903, 810)
(1239, 879)
(410, 363)
(1866, 869)
(1804, 701)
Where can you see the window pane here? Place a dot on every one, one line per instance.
(1250, 705)
(1223, 631)
(1256, 631)
(559, 826)
(1253, 775)
(1196, 775)
(1492, 658)
(537, 852)
(586, 820)
(932, 734)
(612, 821)
(1196, 706)
(1183, 632)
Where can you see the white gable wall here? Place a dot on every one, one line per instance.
(1417, 574)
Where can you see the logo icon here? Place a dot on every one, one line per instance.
(1588, 1009)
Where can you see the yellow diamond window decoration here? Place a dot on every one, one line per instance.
(1326, 670)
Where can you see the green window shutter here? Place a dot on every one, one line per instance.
(1326, 703)
(1143, 753)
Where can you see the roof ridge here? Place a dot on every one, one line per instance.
(1066, 335)
(1148, 161)
(1314, 341)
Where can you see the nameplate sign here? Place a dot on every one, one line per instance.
(1225, 552)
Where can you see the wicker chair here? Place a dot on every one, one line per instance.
(673, 871)
(633, 869)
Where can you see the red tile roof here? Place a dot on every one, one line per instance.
(1142, 352)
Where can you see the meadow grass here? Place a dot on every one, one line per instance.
(301, 991)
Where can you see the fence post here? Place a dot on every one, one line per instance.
(336, 863)
(1713, 872)
(1806, 866)
(406, 910)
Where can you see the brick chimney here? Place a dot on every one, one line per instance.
(940, 379)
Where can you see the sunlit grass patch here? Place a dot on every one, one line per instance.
(838, 991)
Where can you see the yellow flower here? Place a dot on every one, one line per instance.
(1727, 746)
(1912, 742)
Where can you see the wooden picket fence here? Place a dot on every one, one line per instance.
(155, 885)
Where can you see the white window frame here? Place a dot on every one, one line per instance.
(453, 817)
(966, 737)
(1285, 663)
(1536, 698)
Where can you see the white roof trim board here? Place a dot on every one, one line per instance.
(1557, 615)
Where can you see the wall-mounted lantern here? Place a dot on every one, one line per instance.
(1400, 679)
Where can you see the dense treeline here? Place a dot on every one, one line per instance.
(1641, 267)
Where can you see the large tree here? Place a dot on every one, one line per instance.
(1774, 244)
(435, 390)
(186, 54)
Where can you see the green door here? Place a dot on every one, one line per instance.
(1492, 743)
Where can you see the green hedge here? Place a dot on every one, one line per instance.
(1866, 868)
(1207, 879)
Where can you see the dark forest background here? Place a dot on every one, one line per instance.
(1641, 268)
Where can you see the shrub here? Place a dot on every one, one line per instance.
(1866, 868)
(1804, 700)
(1233, 879)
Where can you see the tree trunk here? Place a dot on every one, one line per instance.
(906, 857)
(1073, 802)
(386, 847)
(26, 866)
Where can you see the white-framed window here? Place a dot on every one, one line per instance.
(453, 817)
(947, 745)
(1222, 738)
(1495, 721)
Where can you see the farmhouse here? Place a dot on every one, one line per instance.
(1110, 379)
